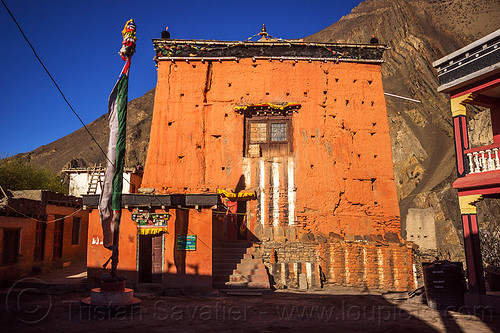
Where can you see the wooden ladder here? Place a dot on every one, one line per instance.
(94, 179)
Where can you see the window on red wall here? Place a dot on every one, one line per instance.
(10, 249)
(268, 136)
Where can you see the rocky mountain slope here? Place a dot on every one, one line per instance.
(418, 32)
(79, 150)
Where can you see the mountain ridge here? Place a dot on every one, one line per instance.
(418, 33)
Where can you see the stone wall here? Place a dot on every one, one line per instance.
(366, 265)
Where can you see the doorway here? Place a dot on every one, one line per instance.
(150, 258)
(58, 236)
(41, 228)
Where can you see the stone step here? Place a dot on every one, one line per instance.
(233, 285)
(224, 265)
(226, 261)
(222, 272)
(243, 291)
(234, 244)
(234, 267)
(257, 284)
(223, 250)
(248, 278)
(219, 284)
(250, 285)
(251, 261)
(249, 272)
(220, 278)
(250, 266)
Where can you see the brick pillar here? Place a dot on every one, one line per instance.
(471, 243)
(461, 137)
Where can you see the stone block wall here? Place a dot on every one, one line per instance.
(376, 265)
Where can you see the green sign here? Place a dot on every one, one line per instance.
(186, 243)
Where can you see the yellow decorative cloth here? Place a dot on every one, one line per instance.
(239, 195)
(151, 230)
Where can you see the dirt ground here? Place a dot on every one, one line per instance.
(327, 310)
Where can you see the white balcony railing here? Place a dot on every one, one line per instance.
(483, 160)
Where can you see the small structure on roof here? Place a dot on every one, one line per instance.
(88, 181)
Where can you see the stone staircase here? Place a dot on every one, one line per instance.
(234, 268)
(249, 273)
(225, 258)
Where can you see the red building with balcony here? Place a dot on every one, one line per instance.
(471, 75)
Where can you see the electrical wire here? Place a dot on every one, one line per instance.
(45, 221)
(72, 109)
(53, 80)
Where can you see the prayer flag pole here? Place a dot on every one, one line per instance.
(110, 201)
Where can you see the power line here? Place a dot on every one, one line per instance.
(54, 81)
(397, 96)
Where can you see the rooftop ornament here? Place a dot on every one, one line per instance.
(267, 47)
(264, 36)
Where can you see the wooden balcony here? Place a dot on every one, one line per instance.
(484, 171)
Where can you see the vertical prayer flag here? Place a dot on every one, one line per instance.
(110, 201)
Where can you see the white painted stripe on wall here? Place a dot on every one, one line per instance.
(364, 264)
(291, 192)
(395, 271)
(283, 274)
(276, 192)
(262, 182)
(247, 172)
(380, 259)
(415, 280)
(346, 267)
(309, 274)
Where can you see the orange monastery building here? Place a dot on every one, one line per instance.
(277, 146)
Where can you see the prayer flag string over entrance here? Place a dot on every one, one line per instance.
(110, 200)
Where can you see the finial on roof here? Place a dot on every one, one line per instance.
(263, 32)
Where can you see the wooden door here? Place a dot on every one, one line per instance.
(145, 258)
(150, 258)
(58, 237)
(40, 240)
(157, 259)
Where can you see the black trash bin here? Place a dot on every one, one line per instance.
(444, 284)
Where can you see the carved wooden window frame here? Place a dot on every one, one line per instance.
(268, 147)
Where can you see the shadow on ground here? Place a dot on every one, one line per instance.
(31, 310)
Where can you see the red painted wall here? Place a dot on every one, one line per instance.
(342, 162)
(70, 253)
(182, 269)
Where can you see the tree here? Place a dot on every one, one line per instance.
(16, 174)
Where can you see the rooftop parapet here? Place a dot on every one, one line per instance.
(180, 49)
(469, 64)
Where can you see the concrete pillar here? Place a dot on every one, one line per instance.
(471, 243)
(461, 137)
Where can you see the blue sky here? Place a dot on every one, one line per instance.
(79, 41)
